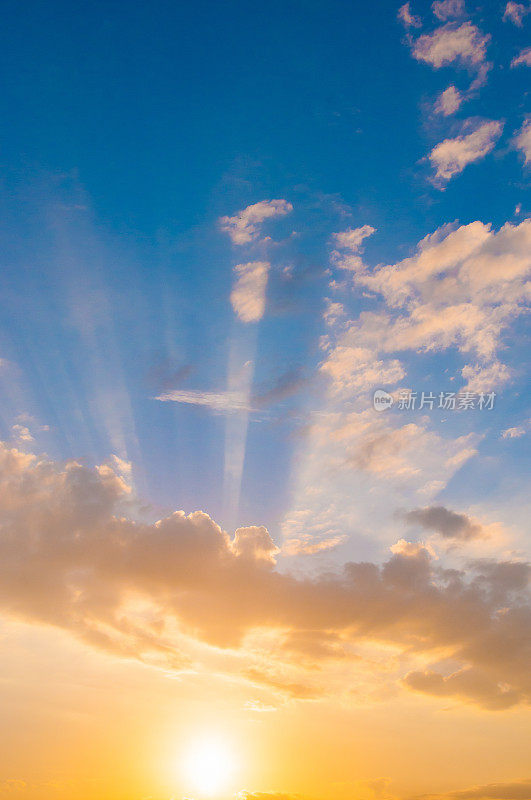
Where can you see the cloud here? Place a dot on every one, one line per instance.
(22, 433)
(515, 12)
(523, 139)
(451, 156)
(245, 226)
(441, 520)
(406, 16)
(486, 379)
(222, 402)
(464, 44)
(248, 296)
(447, 9)
(348, 244)
(355, 368)
(448, 102)
(352, 238)
(522, 59)
(286, 385)
(467, 684)
(515, 790)
(461, 288)
(71, 557)
(514, 433)
(13, 786)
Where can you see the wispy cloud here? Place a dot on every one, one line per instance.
(222, 402)
(406, 16)
(522, 140)
(448, 9)
(515, 13)
(523, 59)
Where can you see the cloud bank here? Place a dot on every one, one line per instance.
(72, 558)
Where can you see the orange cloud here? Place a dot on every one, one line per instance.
(70, 557)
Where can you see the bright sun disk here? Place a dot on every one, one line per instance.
(208, 764)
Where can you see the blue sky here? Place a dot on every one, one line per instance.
(130, 131)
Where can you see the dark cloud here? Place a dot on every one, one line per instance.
(286, 385)
(165, 376)
(447, 523)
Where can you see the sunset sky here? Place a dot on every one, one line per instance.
(227, 570)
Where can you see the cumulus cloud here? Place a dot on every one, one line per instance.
(248, 296)
(445, 522)
(355, 368)
(245, 226)
(406, 16)
(515, 13)
(348, 245)
(523, 139)
(71, 557)
(448, 9)
(460, 289)
(449, 101)
(464, 44)
(451, 156)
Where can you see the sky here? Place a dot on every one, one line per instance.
(264, 423)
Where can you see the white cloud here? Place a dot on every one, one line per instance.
(514, 433)
(348, 245)
(486, 379)
(523, 59)
(515, 12)
(461, 288)
(248, 296)
(227, 402)
(451, 156)
(406, 16)
(523, 140)
(121, 466)
(244, 227)
(355, 368)
(449, 101)
(465, 44)
(22, 433)
(447, 9)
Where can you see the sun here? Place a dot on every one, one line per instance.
(208, 764)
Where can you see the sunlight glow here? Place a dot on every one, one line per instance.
(208, 764)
